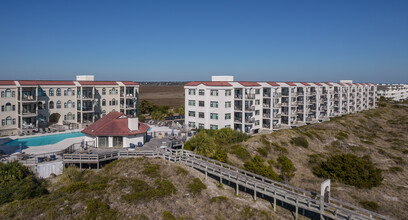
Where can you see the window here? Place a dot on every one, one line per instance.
(227, 92)
(14, 107)
(58, 92)
(103, 102)
(214, 116)
(58, 104)
(191, 124)
(2, 94)
(65, 92)
(201, 114)
(14, 95)
(51, 105)
(8, 107)
(117, 141)
(227, 104)
(257, 91)
(214, 104)
(40, 105)
(201, 92)
(113, 102)
(113, 91)
(51, 92)
(191, 113)
(257, 122)
(69, 104)
(103, 141)
(257, 102)
(69, 116)
(227, 126)
(191, 91)
(213, 127)
(103, 112)
(8, 93)
(227, 116)
(3, 122)
(103, 91)
(9, 121)
(214, 92)
(191, 102)
(69, 92)
(201, 103)
(257, 112)
(201, 126)
(2, 108)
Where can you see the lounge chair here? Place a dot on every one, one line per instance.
(43, 131)
(28, 132)
(21, 133)
(54, 130)
(49, 130)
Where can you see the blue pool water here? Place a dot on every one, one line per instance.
(42, 140)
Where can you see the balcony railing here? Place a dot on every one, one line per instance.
(29, 98)
(266, 115)
(277, 105)
(250, 96)
(250, 108)
(238, 108)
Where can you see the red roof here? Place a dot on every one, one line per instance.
(208, 83)
(113, 124)
(329, 84)
(44, 82)
(305, 84)
(7, 83)
(249, 83)
(129, 83)
(349, 84)
(291, 83)
(97, 83)
(273, 84)
(341, 84)
(319, 84)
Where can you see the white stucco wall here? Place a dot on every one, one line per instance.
(134, 140)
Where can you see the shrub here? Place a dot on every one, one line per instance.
(240, 152)
(286, 167)
(141, 191)
(351, 170)
(220, 155)
(342, 135)
(97, 209)
(279, 148)
(218, 199)
(256, 165)
(168, 216)
(395, 169)
(263, 152)
(181, 171)
(77, 186)
(196, 186)
(300, 141)
(18, 183)
(71, 174)
(152, 170)
(373, 206)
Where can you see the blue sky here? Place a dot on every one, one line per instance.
(191, 40)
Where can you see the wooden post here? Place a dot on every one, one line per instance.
(236, 188)
(254, 191)
(296, 215)
(206, 172)
(274, 201)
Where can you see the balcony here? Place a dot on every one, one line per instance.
(277, 115)
(277, 105)
(29, 98)
(250, 120)
(238, 120)
(266, 105)
(265, 95)
(277, 95)
(250, 96)
(266, 115)
(88, 109)
(249, 108)
(284, 104)
(29, 113)
(238, 96)
(238, 108)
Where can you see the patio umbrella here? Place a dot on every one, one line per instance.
(20, 148)
(172, 132)
(82, 143)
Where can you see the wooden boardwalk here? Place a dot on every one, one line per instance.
(300, 199)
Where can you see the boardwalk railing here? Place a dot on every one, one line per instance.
(299, 198)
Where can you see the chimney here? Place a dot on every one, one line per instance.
(133, 124)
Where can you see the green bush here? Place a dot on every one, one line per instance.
(342, 135)
(71, 174)
(257, 165)
(181, 171)
(141, 191)
(220, 155)
(77, 186)
(351, 170)
(168, 216)
(299, 141)
(286, 167)
(218, 199)
(196, 186)
(240, 152)
(373, 206)
(18, 183)
(97, 209)
(206, 142)
(262, 151)
(283, 150)
(395, 169)
(152, 170)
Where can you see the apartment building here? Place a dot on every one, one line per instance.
(252, 107)
(396, 92)
(33, 104)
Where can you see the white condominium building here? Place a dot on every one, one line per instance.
(396, 92)
(32, 104)
(251, 107)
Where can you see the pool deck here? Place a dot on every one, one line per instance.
(40, 149)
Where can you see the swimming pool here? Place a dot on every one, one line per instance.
(42, 140)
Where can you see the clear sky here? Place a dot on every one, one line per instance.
(173, 40)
